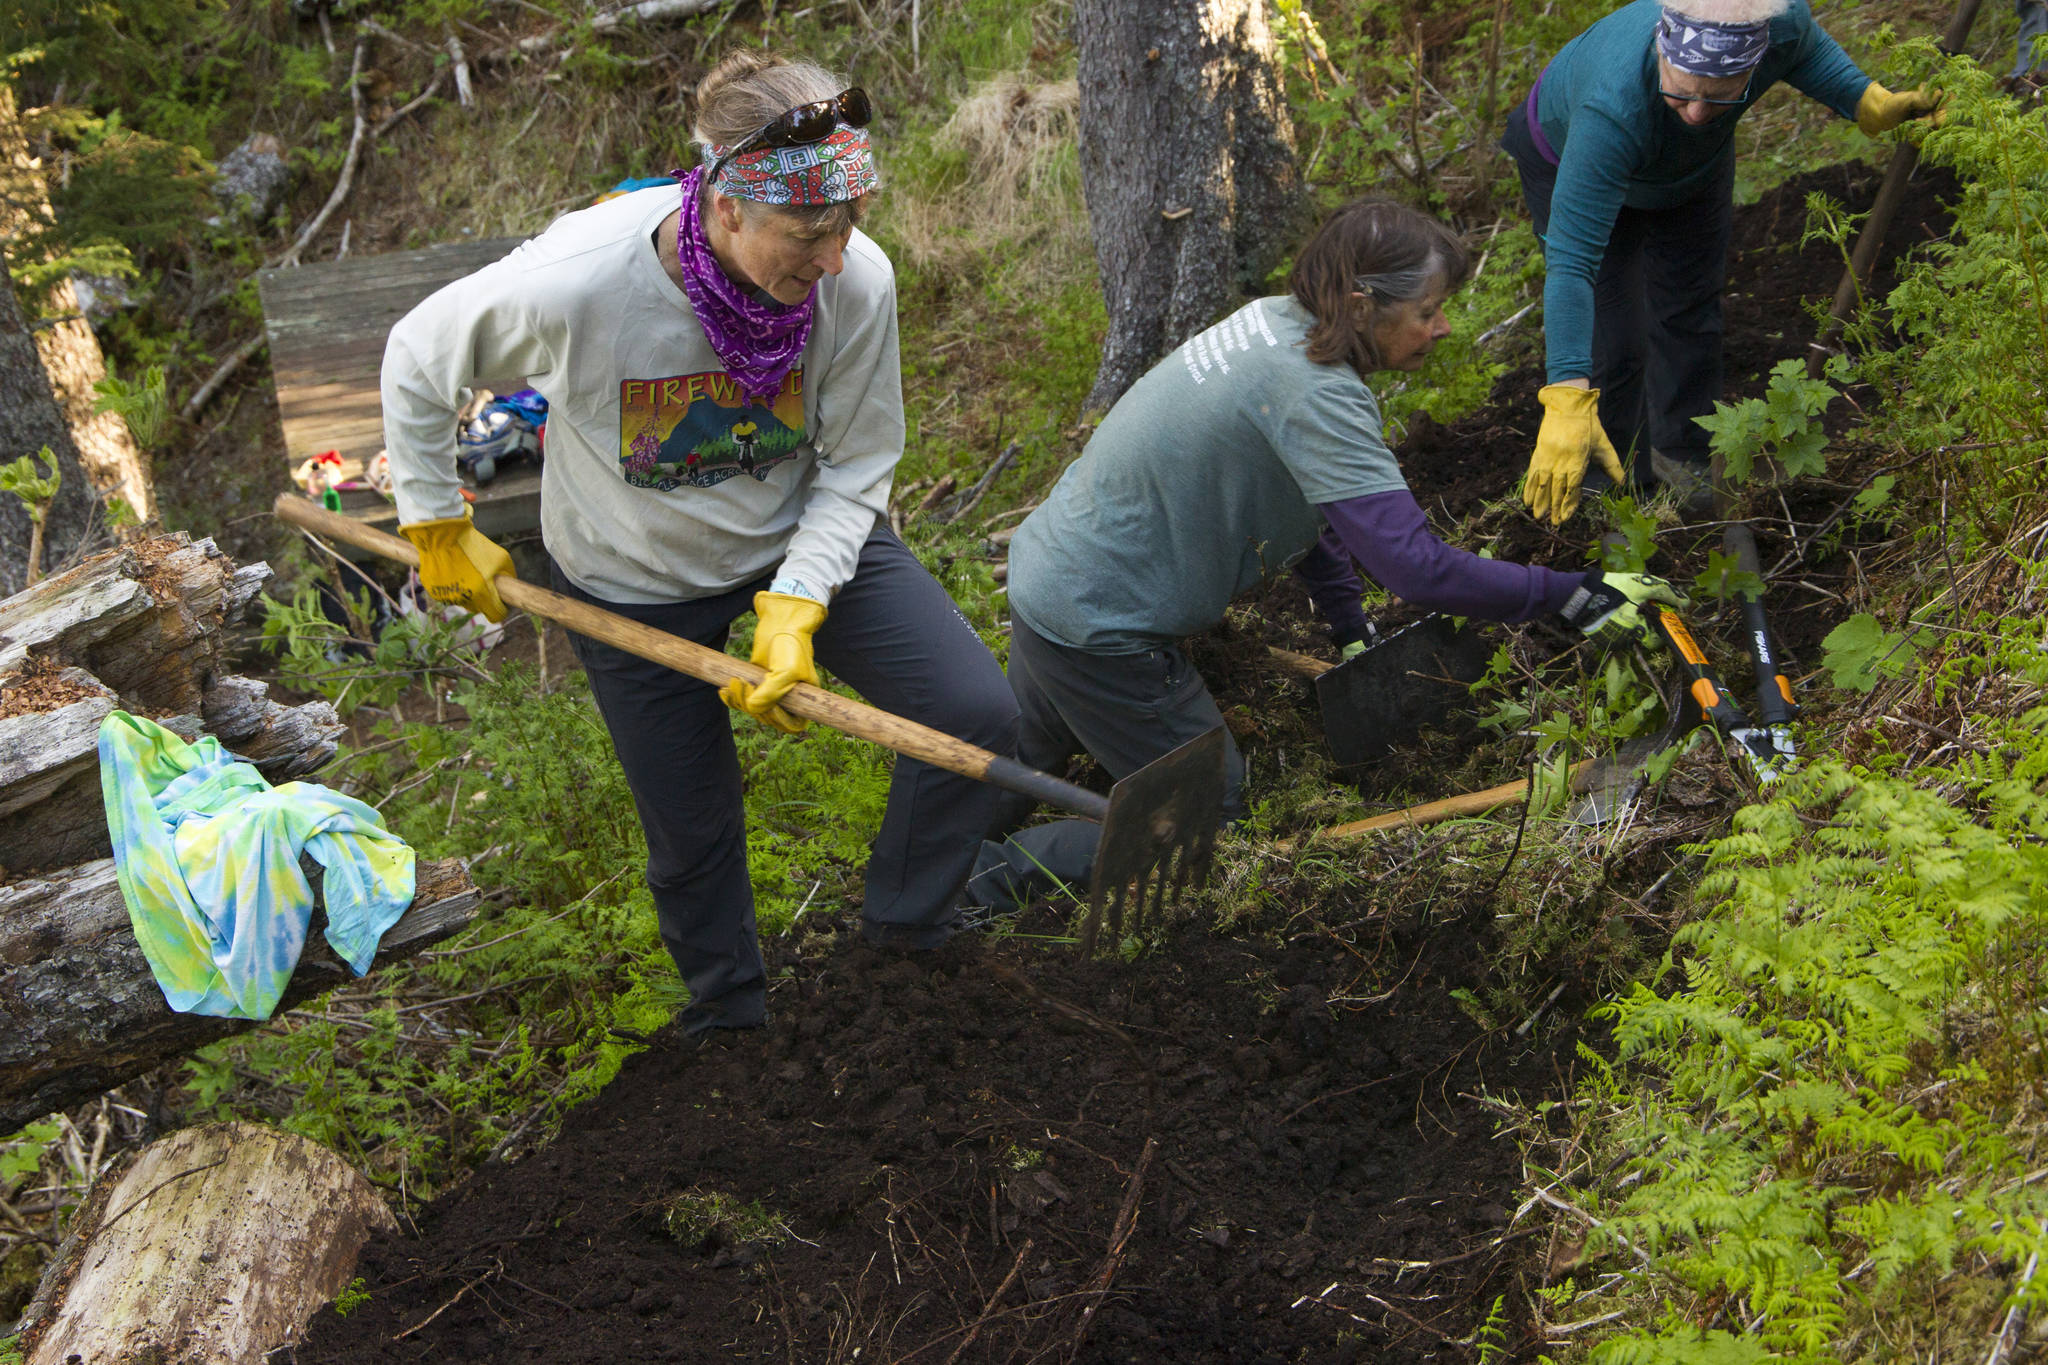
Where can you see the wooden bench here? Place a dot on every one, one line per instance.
(327, 324)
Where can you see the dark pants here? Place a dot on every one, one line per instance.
(898, 640)
(1656, 310)
(1124, 710)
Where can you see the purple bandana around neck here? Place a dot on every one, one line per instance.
(760, 341)
(1700, 48)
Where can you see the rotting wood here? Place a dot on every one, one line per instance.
(82, 1013)
(245, 1233)
(145, 628)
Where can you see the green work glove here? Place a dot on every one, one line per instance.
(459, 563)
(1880, 111)
(1350, 651)
(783, 626)
(1609, 607)
(1569, 437)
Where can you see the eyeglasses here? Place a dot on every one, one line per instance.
(1741, 99)
(806, 123)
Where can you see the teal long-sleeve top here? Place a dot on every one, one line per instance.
(1619, 144)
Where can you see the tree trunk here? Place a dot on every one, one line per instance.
(215, 1247)
(30, 419)
(31, 415)
(80, 1012)
(1187, 162)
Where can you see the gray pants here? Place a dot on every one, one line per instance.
(1123, 710)
(898, 640)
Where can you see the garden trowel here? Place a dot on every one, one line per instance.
(1405, 679)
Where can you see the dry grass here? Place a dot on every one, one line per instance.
(1014, 179)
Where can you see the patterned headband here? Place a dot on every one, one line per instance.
(809, 175)
(1700, 48)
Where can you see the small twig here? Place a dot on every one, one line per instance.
(433, 89)
(1347, 1090)
(993, 1299)
(464, 93)
(204, 394)
(372, 26)
(1537, 1013)
(450, 1304)
(1505, 324)
(169, 1179)
(1119, 1242)
(981, 487)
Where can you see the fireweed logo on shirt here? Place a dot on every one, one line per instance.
(700, 430)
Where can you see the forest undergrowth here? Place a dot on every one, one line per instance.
(1817, 1131)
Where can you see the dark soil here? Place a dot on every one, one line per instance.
(951, 1139)
(919, 1122)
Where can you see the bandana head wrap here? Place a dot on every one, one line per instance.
(808, 175)
(1700, 48)
(759, 341)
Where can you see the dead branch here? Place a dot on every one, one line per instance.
(356, 139)
(459, 60)
(204, 394)
(1119, 1242)
(989, 1310)
(975, 494)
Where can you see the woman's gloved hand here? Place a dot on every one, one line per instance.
(1880, 110)
(458, 563)
(1569, 437)
(783, 626)
(1608, 608)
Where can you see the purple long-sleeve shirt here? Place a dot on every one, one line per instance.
(1389, 536)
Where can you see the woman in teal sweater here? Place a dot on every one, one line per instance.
(1626, 148)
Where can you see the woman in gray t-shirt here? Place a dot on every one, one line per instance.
(1255, 447)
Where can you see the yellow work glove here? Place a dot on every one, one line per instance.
(1570, 435)
(459, 562)
(783, 626)
(1880, 111)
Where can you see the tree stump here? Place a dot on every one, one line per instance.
(214, 1247)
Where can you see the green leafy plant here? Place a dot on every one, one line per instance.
(37, 492)
(353, 1297)
(1861, 653)
(142, 404)
(1783, 425)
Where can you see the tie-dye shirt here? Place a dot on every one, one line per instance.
(207, 854)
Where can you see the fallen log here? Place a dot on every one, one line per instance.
(81, 1012)
(143, 628)
(214, 1247)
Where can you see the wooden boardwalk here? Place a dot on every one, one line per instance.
(327, 325)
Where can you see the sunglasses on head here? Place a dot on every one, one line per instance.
(812, 122)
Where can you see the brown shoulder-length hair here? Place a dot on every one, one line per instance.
(1379, 248)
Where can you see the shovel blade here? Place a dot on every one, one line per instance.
(1159, 836)
(1413, 678)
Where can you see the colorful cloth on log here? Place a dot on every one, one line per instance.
(207, 854)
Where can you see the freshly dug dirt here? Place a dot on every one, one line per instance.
(952, 1141)
(918, 1122)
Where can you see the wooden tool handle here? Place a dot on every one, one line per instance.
(718, 668)
(1430, 812)
(1302, 664)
